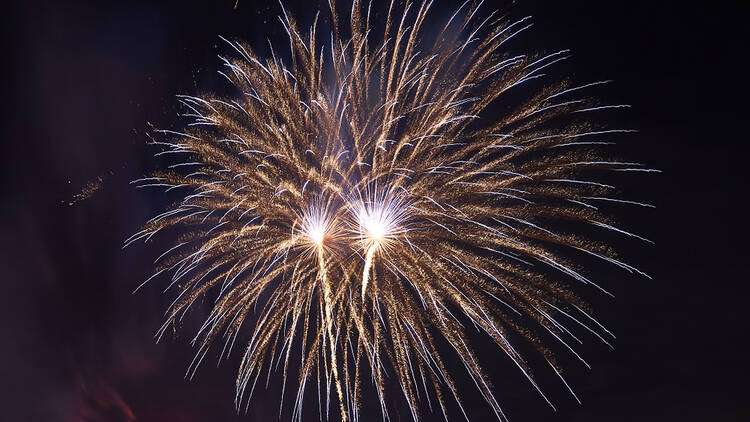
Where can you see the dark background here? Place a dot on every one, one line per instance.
(84, 80)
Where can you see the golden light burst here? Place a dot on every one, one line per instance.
(360, 201)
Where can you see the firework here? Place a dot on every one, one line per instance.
(365, 201)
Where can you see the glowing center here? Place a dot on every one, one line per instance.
(373, 225)
(317, 234)
(316, 224)
(375, 228)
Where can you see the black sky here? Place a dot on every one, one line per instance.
(85, 80)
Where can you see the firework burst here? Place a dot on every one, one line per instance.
(362, 201)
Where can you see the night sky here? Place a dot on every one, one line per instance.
(85, 80)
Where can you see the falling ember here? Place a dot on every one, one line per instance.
(368, 267)
(368, 200)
